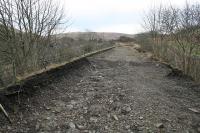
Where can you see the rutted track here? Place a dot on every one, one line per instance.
(120, 90)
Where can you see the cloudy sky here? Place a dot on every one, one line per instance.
(123, 16)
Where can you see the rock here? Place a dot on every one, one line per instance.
(25, 122)
(85, 108)
(134, 128)
(58, 109)
(194, 110)
(166, 120)
(70, 107)
(126, 109)
(174, 130)
(90, 94)
(92, 131)
(141, 118)
(115, 117)
(198, 129)
(72, 125)
(9, 128)
(141, 128)
(48, 118)
(95, 110)
(100, 76)
(47, 108)
(188, 131)
(85, 111)
(160, 125)
(85, 131)
(108, 115)
(96, 78)
(37, 127)
(106, 128)
(80, 127)
(73, 131)
(73, 102)
(93, 119)
(127, 126)
(21, 131)
(111, 101)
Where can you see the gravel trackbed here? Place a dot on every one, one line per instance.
(118, 91)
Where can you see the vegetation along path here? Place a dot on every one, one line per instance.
(119, 91)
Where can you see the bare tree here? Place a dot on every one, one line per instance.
(152, 23)
(26, 28)
(178, 28)
(185, 32)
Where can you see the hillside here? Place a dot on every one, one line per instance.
(100, 35)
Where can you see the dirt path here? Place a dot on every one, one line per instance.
(120, 91)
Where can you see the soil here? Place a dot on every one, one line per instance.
(119, 91)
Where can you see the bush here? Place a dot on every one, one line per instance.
(145, 41)
(126, 39)
(88, 48)
(67, 54)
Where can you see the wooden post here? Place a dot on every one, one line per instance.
(5, 113)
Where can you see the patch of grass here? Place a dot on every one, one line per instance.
(145, 41)
(88, 48)
(60, 52)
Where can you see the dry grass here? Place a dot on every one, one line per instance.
(54, 66)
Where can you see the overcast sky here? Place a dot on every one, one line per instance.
(123, 16)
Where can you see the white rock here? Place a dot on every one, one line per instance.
(93, 119)
(9, 128)
(160, 125)
(115, 117)
(141, 118)
(194, 110)
(48, 118)
(72, 125)
(128, 126)
(81, 127)
(73, 102)
(47, 108)
(128, 109)
(106, 127)
(70, 106)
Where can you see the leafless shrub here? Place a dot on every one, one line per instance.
(67, 54)
(88, 48)
(126, 39)
(175, 31)
(26, 28)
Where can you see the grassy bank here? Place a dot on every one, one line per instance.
(63, 51)
(170, 52)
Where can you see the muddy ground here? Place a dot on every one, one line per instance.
(119, 91)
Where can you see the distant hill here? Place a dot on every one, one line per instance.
(97, 35)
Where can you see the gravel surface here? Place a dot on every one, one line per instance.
(119, 91)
